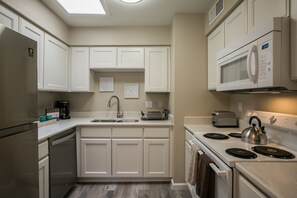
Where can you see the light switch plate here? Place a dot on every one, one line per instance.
(148, 104)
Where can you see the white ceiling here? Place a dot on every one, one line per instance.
(145, 13)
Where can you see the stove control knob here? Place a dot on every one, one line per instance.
(272, 119)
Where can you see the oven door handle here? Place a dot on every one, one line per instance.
(217, 170)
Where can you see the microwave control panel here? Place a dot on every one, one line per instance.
(265, 58)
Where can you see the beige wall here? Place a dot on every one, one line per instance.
(120, 36)
(97, 101)
(281, 103)
(37, 12)
(229, 6)
(191, 96)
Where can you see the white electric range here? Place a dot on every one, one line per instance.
(281, 132)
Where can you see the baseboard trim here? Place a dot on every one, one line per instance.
(178, 186)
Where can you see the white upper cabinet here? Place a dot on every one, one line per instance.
(103, 57)
(216, 42)
(157, 69)
(262, 11)
(236, 25)
(55, 64)
(130, 58)
(81, 76)
(37, 35)
(9, 19)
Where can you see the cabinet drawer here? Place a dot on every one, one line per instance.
(127, 132)
(96, 132)
(42, 150)
(156, 132)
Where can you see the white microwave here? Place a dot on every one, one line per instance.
(261, 61)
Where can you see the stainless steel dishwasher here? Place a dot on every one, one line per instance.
(63, 173)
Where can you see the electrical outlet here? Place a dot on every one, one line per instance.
(148, 104)
(239, 107)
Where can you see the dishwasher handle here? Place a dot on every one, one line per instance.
(63, 139)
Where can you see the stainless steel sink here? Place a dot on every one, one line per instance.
(113, 120)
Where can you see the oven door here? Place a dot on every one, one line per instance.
(223, 173)
(239, 69)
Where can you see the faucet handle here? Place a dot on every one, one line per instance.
(120, 114)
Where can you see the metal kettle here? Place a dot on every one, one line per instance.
(254, 134)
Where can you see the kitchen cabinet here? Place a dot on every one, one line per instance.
(156, 152)
(127, 157)
(294, 40)
(43, 170)
(262, 11)
(37, 35)
(55, 64)
(103, 57)
(9, 19)
(236, 25)
(130, 58)
(216, 42)
(187, 158)
(82, 79)
(246, 189)
(157, 70)
(95, 152)
(95, 157)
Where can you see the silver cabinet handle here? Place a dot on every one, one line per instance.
(64, 139)
(217, 171)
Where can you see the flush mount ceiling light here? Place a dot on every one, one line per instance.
(82, 6)
(131, 1)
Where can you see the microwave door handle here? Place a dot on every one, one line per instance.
(253, 50)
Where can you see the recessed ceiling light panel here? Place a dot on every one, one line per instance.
(130, 1)
(82, 7)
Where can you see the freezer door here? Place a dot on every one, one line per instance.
(18, 79)
(19, 164)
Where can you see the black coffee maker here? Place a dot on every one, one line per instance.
(63, 109)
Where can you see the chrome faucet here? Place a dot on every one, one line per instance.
(119, 113)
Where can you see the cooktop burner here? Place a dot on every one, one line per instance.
(241, 153)
(217, 136)
(273, 152)
(235, 135)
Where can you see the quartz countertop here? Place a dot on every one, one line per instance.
(62, 125)
(276, 179)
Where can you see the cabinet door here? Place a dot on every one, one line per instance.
(103, 57)
(215, 44)
(44, 178)
(9, 19)
(130, 58)
(80, 71)
(247, 189)
(262, 11)
(127, 157)
(55, 65)
(37, 35)
(157, 69)
(95, 158)
(156, 158)
(236, 25)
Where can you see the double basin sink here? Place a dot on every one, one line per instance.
(115, 121)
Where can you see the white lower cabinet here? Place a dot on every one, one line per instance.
(156, 158)
(127, 158)
(95, 157)
(44, 178)
(43, 170)
(247, 190)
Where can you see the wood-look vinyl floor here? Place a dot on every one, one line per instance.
(127, 190)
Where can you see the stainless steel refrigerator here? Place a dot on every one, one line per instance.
(18, 109)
